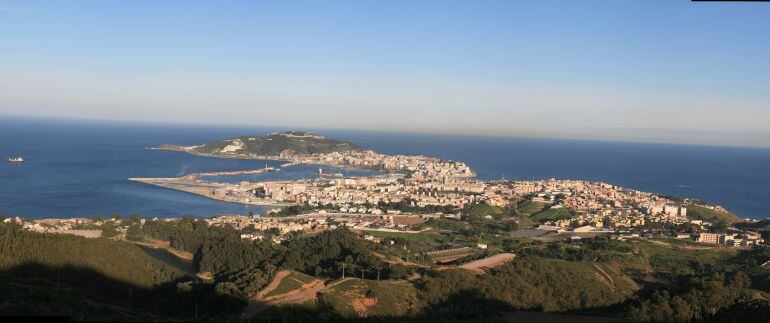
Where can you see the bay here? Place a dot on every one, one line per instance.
(80, 168)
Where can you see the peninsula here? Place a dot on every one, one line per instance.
(279, 145)
(425, 184)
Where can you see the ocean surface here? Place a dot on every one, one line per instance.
(80, 168)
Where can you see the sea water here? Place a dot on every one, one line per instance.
(80, 168)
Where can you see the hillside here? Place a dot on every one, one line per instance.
(529, 207)
(706, 214)
(551, 215)
(94, 279)
(299, 280)
(275, 144)
(22, 248)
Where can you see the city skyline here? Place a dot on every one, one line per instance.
(656, 71)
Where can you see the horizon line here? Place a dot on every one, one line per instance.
(391, 131)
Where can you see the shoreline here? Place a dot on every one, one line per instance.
(207, 189)
(225, 156)
(431, 171)
(289, 162)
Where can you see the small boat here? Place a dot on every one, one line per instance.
(17, 159)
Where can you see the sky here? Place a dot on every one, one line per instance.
(653, 70)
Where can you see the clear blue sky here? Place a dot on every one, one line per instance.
(668, 70)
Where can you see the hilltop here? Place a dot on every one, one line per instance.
(274, 144)
(708, 214)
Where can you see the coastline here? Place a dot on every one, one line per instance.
(205, 189)
(288, 161)
(224, 156)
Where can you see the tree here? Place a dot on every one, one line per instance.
(249, 281)
(109, 230)
(134, 233)
(719, 227)
(398, 271)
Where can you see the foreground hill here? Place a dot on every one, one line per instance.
(95, 279)
(275, 144)
(300, 279)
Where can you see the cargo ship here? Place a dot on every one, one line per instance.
(16, 160)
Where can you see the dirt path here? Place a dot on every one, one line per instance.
(339, 282)
(279, 276)
(609, 281)
(306, 293)
(481, 266)
(259, 302)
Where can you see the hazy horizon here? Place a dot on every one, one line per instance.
(652, 71)
(246, 127)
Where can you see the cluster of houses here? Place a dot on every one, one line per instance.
(731, 239)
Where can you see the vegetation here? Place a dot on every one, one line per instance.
(423, 241)
(96, 279)
(693, 298)
(116, 280)
(357, 298)
(409, 206)
(101, 255)
(706, 214)
(294, 142)
(552, 215)
(528, 207)
(294, 281)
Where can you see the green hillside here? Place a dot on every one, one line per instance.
(706, 214)
(101, 279)
(287, 143)
(95, 279)
(293, 282)
(368, 298)
(551, 215)
(19, 248)
(49, 274)
(529, 207)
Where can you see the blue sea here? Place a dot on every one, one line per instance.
(80, 168)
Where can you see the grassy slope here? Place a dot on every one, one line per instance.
(353, 298)
(647, 257)
(603, 274)
(272, 145)
(421, 241)
(619, 270)
(101, 255)
(292, 282)
(611, 276)
(481, 210)
(551, 215)
(372, 298)
(706, 214)
(528, 207)
(48, 274)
